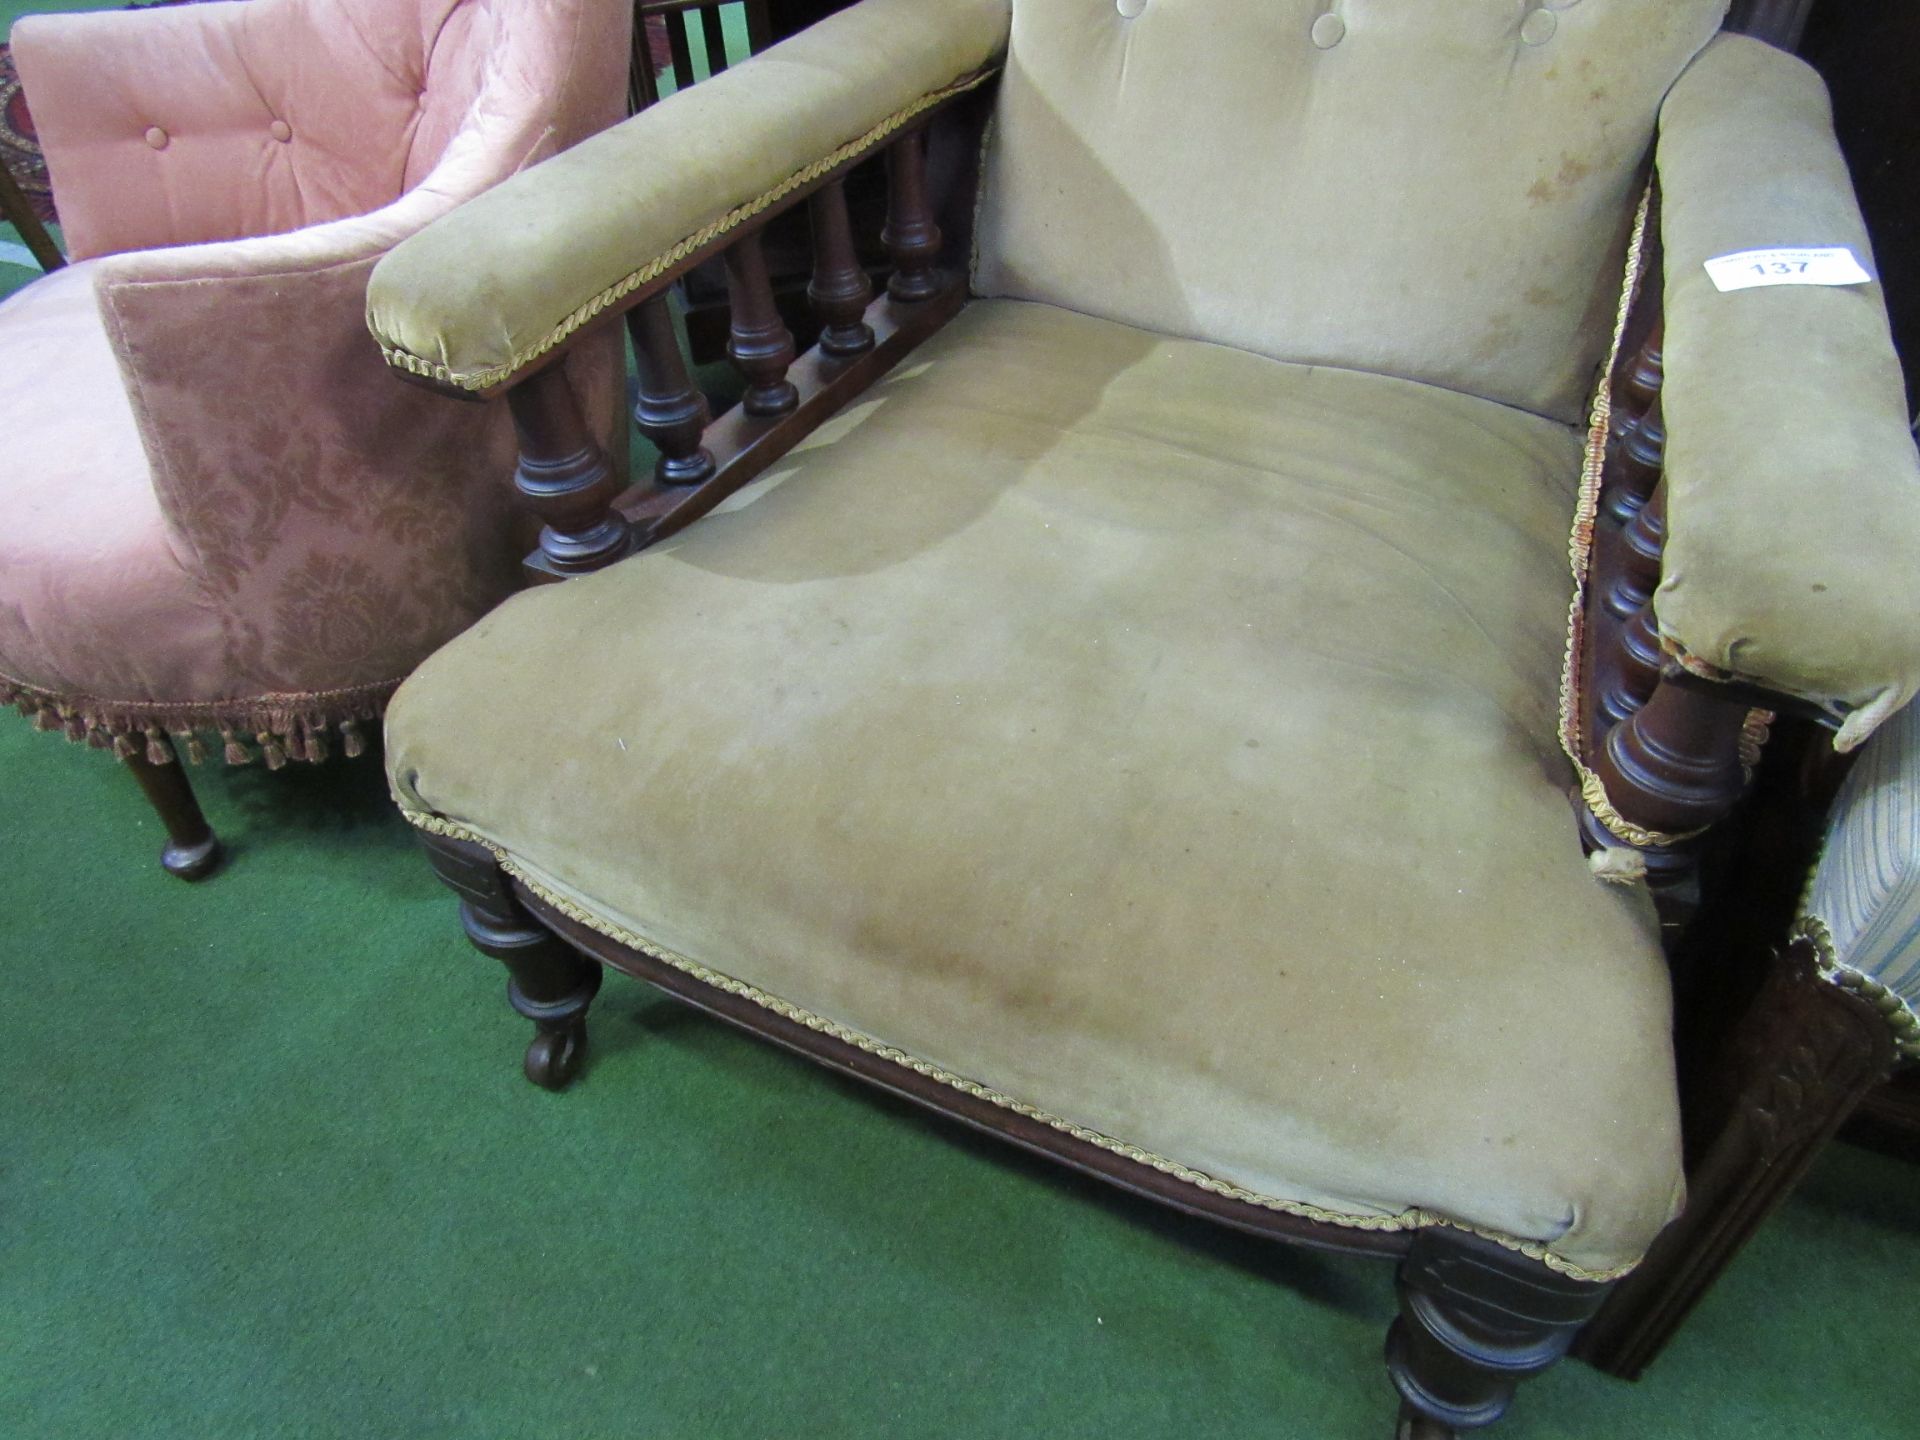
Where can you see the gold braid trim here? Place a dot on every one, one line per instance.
(1580, 555)
(1897, 1013)
(293, 726)
(492, 375)
(1413, 1219)
(1754, 731)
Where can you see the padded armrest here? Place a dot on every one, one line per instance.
(1792, 483)
(480, 295)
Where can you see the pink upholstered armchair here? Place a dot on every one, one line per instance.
(220, 519)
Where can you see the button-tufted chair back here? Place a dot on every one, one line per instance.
(1436, 189)
(350, 104)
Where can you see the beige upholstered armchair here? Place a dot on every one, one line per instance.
(1134, 711)
(221, 524)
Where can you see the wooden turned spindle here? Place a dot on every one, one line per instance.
(1640, 383)
(1629, 674)
(1674, 764)
(670, 410)
(910, 234)
(565, 478)
(839, 290)
(1636, 560)
(758, 343)
(1636, 466)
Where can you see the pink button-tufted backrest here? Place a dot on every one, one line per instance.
(256, 117)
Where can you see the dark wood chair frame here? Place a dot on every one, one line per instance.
(643, 85)
(1475, 1317)
(703, 297)
(17, 210)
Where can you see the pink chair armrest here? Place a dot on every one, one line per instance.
(220, 344)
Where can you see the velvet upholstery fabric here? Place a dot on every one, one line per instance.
(366, 94)
(1436, 191)
(1793, 486)
(1040, 716)
(461, 302)
(306, 528)
(86, 557)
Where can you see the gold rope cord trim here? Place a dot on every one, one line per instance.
(406, 360)
(1897, 1013)
(273, 728)
(1755, 731)
(1414, 1219)
(1586, 511)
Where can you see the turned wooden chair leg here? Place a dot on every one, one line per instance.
(549, 982)
(192, 850)
(1475, 1319)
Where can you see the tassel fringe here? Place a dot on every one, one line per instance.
(189, 741)
(283, 728)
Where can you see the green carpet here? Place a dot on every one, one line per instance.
(268, 1168)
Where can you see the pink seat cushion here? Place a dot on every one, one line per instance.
(94, 600)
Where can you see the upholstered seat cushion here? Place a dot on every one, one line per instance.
(1153, 733)
(96, 599)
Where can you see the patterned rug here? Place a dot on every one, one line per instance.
(19, 145)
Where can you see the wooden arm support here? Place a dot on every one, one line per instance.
(1666, 746)
(565, 478)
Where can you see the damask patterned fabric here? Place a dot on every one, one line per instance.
(221, 512)
(19, 146)
(1866, 891)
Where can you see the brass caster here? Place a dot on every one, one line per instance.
(191, 862)
(553, 1059)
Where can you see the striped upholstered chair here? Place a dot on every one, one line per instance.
(1837, 1016)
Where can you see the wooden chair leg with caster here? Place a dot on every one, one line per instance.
(192, 850)
(551, 983)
